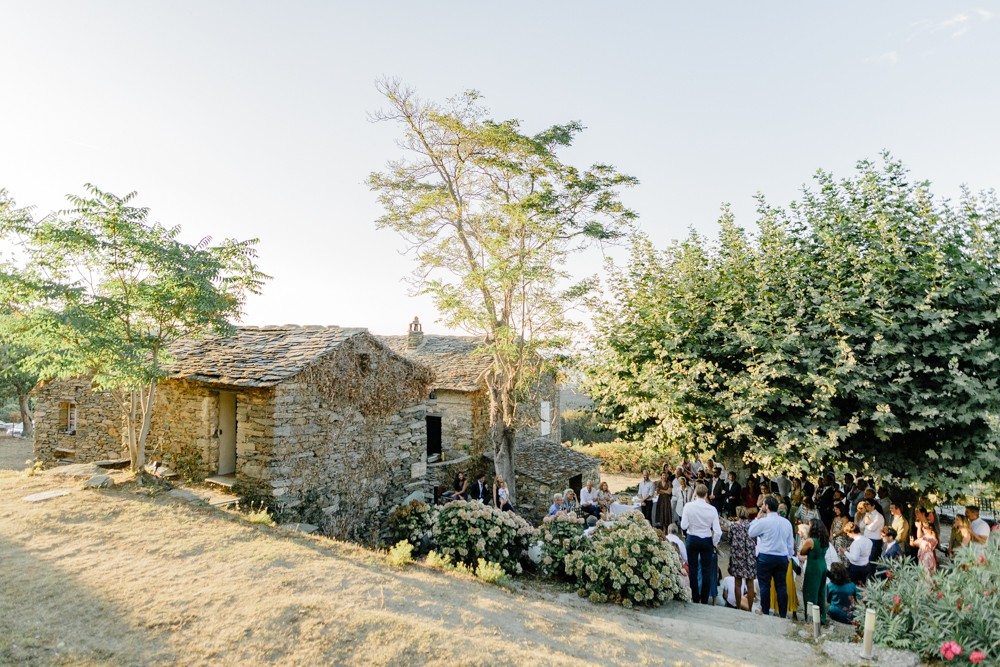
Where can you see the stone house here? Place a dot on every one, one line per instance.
(545, 468)
(327, 424)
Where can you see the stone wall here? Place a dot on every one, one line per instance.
(464, 421)
(535, 496)
(98, 434)
(349, 444)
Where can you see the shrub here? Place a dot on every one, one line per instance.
(400, 555)
(582, 427)
(625, 457)
(437, 561)
(411, 522)
(468, 531)
(561, 535)
(627, 564)
(260, 516)
(492, 573)
(960, 604)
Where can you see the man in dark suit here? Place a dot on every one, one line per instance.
(734, 494)
(717, 491)
(479, 491)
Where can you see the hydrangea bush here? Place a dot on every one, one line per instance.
(468, 531)
(561, 535)
(627, 564)
(411, 522)
(954, 614)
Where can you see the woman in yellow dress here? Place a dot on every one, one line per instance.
(793, 597)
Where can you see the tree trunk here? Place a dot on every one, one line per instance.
(503, 457)
(26, 422)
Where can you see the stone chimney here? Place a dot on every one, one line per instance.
(416, 336)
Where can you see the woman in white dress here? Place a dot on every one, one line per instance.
(682, 496)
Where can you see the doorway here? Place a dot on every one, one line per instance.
(227, 433)
(433, 437)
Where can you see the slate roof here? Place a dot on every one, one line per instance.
(254, 356)
(452, 359)
(549, 462)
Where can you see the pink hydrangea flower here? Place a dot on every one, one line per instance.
(896, 599)
(949, 650)
(977, 656)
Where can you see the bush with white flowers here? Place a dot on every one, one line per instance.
(468, 531)
(411, 522)
(560, 534)
(627, 564)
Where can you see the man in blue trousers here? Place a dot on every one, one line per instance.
(775, 548)
(701, 523)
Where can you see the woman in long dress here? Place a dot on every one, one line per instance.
(813, 554)
(683, 496)
(664, 493)
(926, 544)
(743, 556)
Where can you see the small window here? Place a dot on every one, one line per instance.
(546, 417)
(433, 436)
(364, 363)
(67, 418)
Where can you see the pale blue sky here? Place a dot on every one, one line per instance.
(248, 118)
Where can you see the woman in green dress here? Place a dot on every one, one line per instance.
(813, 554)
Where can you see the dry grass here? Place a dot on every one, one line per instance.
(118, 577)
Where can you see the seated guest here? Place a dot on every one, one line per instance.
(557, 504)
(479, 491)
(503, 497)
(604, 498)
(570, 503)
(841, 594)
(858, 554)
(674, 538)
(588, 499)
(729, 594)
(459, 488)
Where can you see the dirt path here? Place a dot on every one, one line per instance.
(115, 577)
(15, 452)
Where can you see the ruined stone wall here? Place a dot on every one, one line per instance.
(98, 433)
(349, 439)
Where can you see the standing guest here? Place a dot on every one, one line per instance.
(961, 535)
(784, 485)
(841, 594)
(557, 504)
(827, 498)
(717, 491)
(742, 556)
(750, 494)
(858, 554)
(678, 543)
(807, 511)
(924, 517)
(503, 497)
(701, 523)
(980, 529)
(682, 497)
(697, 466)
(899, 523)
(856, 495)
(734, 494)
(890, 547)
(839, 519)
(808, 488)
(479, 490)
(873, 522)
(588, 499)
(664, 496)
(604, 498)
(570, 501)
(926, 545)
(883, 501)
(646, 492)
(813, 554)
(796, 496)
(776, 548)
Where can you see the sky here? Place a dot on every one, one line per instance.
(249, 119)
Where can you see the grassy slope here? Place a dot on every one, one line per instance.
(116, 577)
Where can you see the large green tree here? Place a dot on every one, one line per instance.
(859, 326)
(491, 215)
(98, 290)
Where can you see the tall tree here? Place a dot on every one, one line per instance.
(17, 380)
(491, 215)
(103, 292)
(859, 327)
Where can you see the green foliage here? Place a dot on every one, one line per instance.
(561, 535)
(960, 603)
(859, 326)
(400, 554)
(103, 292)
(582, 428)
(437, 561)
(467, 531)
(260, 516)
(491, 215)
(411, 522)
(627, 564)
(492, 573)
(622, 456)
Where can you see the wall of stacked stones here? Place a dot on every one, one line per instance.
(98, 434)
(529, 411)
(535, 496)
(464, 421)
(349, 435)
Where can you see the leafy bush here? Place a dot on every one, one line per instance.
(260, 516)
(627, 564)
(437, 561)
(468, 531)
(492, 573)
(411, 522)
(624, 457)
(959, 604)
(581, 427)
(561, 535)
(400, 555)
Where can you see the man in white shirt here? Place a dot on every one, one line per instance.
(588, 499)
(729, 593)
(697, 466)
(674, 539)
(701, 522)
(784, 485)
(647, 489)
(858, 556)
(873, 529)
(980, 529)
(775, 548)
